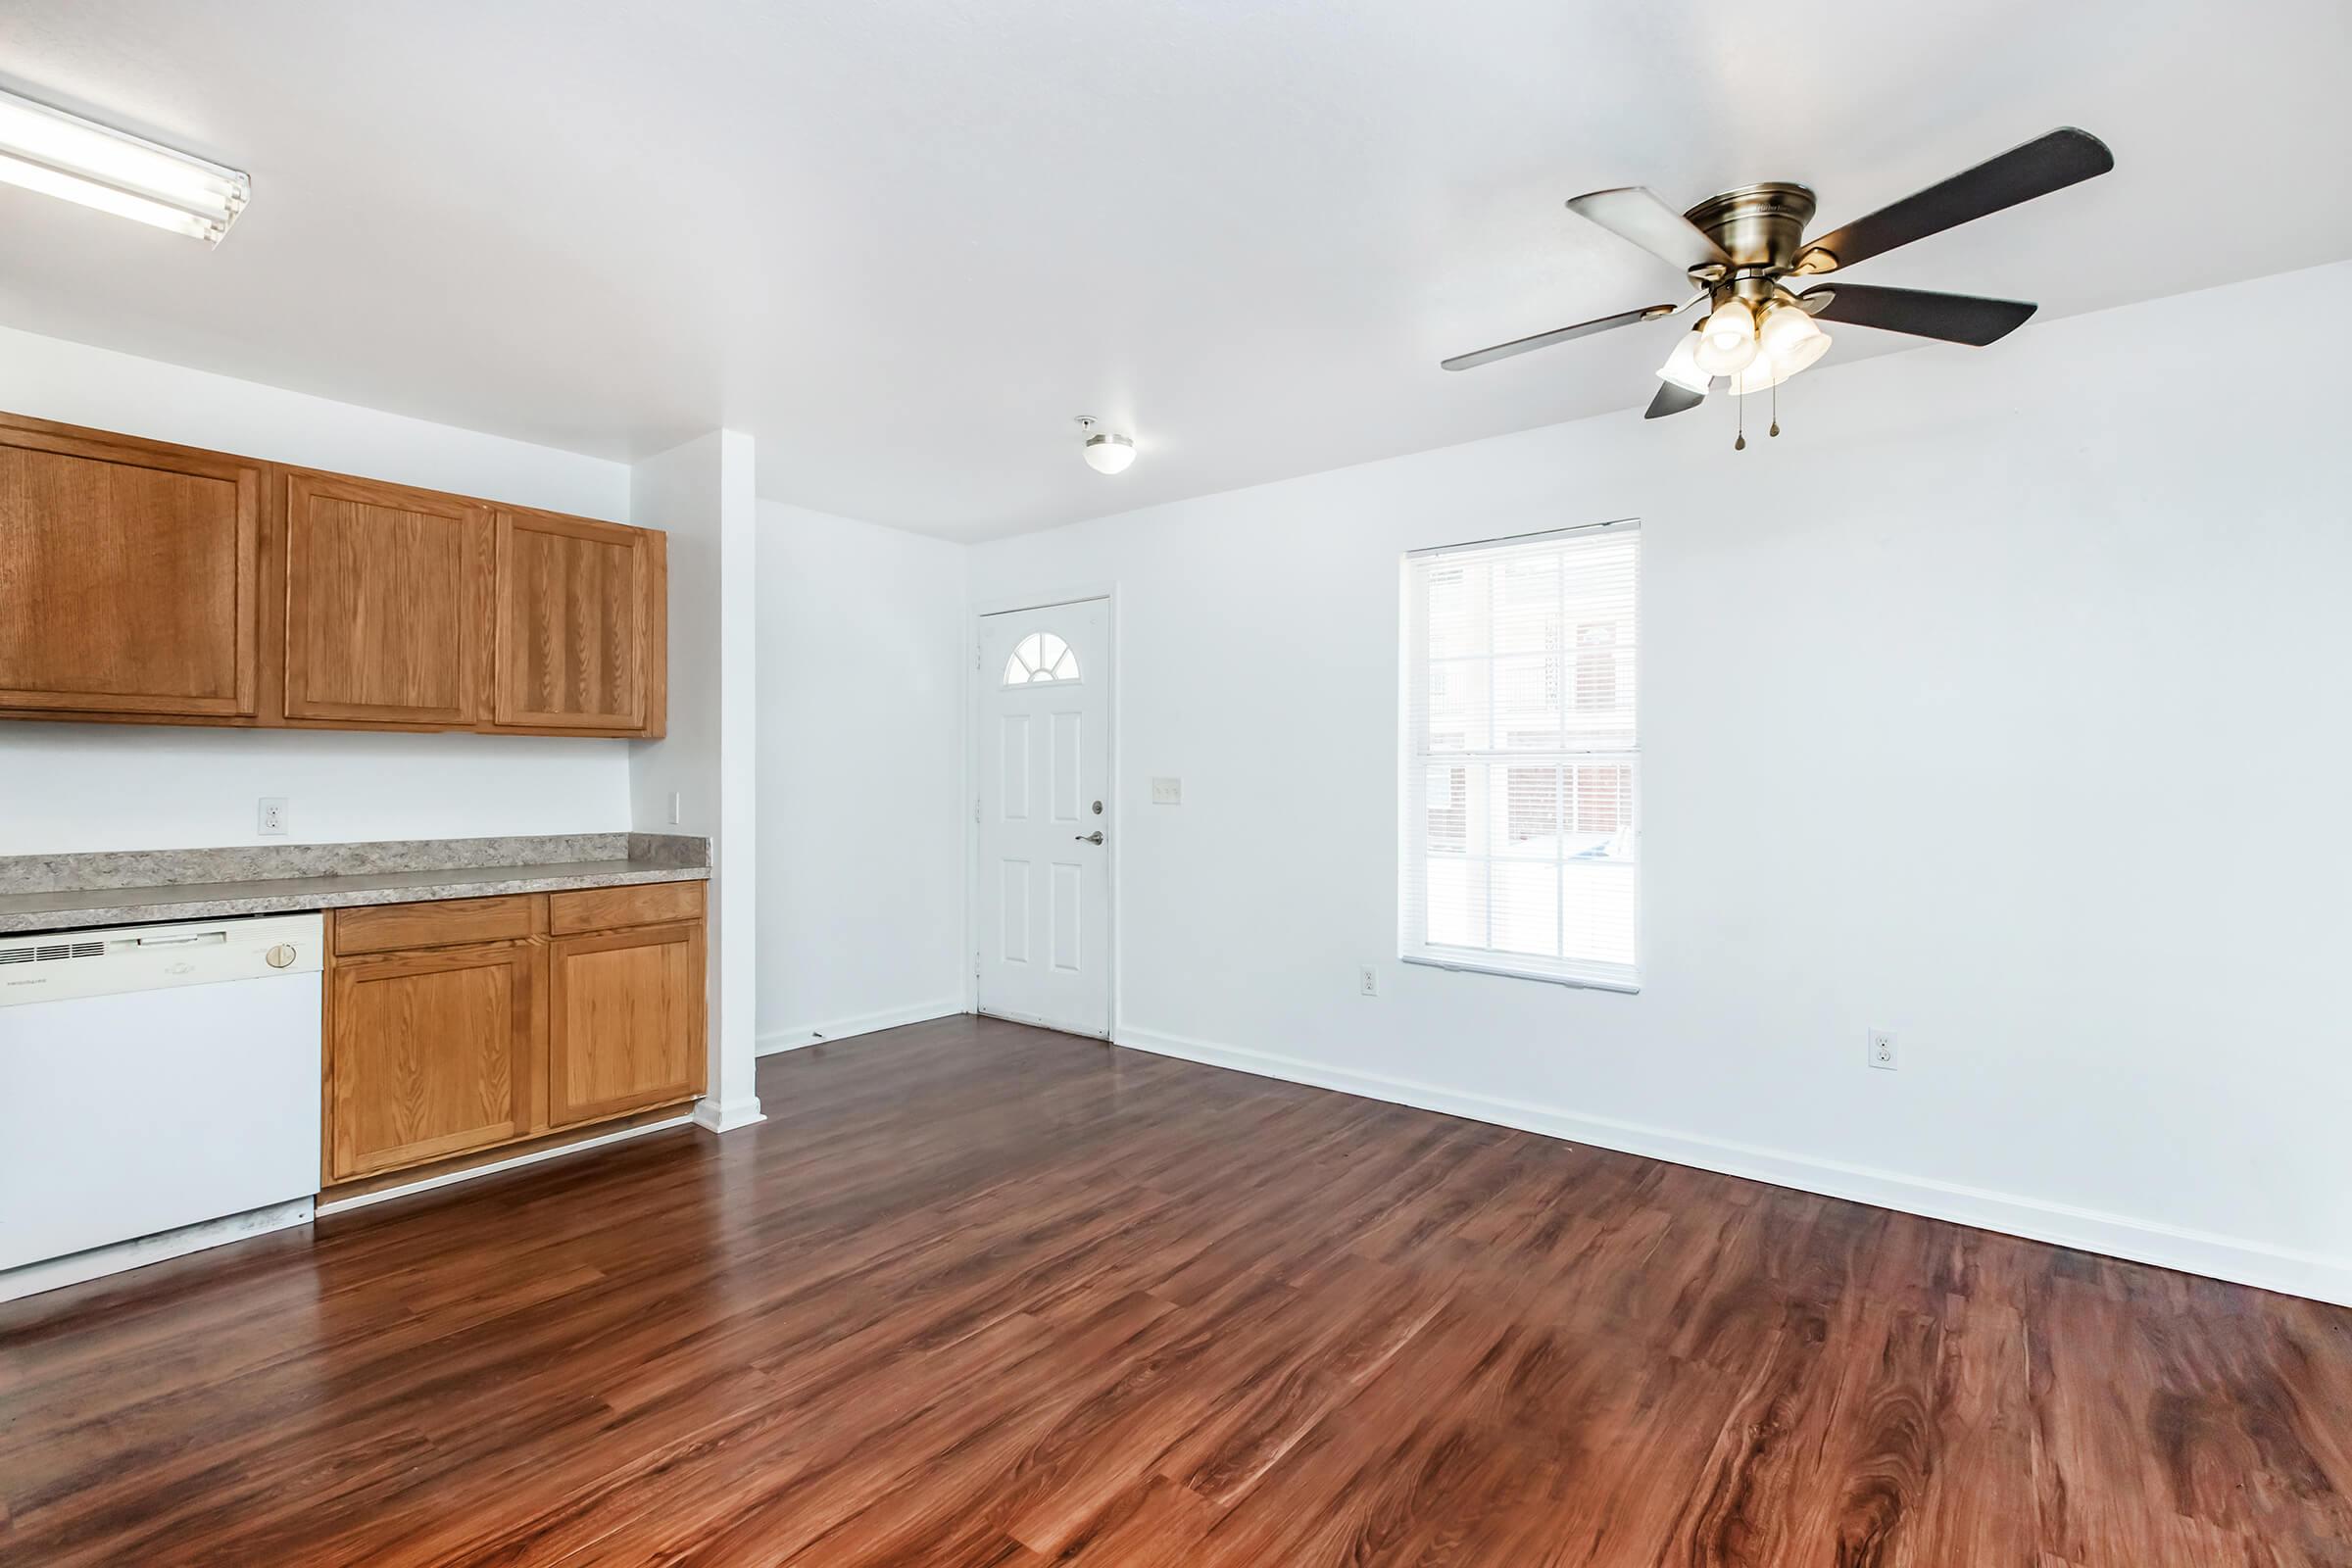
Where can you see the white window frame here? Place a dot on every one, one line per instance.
(1416, 759)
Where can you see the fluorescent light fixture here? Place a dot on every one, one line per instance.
(63, 155)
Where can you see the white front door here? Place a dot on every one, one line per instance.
(1043, 899)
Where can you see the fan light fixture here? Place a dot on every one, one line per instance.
(1682, 366)
(1106, 452)
(47, 150)
(1746, 249)
(1728, 339)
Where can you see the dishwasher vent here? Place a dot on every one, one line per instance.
(53, 950)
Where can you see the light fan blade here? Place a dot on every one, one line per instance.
(2063, 158)
(1635, 213)
(1544, 340)
(1966, 319)
(1672, 399)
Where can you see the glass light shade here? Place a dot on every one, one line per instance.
(1682, 366)
(1728, 342)
(1812, 346)
(1109, 454)
(1770, 369)
(1763, 373)
(1784, 327)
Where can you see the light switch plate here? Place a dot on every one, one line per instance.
(1167, 792)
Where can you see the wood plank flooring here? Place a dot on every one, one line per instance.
(977, 1293)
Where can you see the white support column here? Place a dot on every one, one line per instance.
(702, 494)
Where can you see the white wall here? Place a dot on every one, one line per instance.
(703, 495)
(861, 776)
(1996, 702)
(68, 787)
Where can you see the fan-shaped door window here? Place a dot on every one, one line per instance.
(1038, 659)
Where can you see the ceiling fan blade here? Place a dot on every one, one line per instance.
(1672, 399)
(2064, 157)
(1544, 340)
(1954, 317)
(1635, 213)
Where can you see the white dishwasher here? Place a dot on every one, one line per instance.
(154, 1079)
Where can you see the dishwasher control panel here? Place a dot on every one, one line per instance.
(59, 966)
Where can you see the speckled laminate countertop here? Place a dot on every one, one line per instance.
(67, 892)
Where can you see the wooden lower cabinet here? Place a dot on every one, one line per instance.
(432, 1055)
(441, 1044)
(625, 1021)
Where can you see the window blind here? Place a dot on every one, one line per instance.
(1521, 832)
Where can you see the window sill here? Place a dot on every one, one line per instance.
(1628, 988)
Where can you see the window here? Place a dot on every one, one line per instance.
(1040, 658)
(1521, 833)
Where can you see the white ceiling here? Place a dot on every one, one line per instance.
(902, 242)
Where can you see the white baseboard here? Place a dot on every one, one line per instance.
(725, 1115)
(772, 1041)
(2217, 1256)
(49, 1274)
(449, 1177)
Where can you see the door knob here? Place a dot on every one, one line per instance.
(1095, 837)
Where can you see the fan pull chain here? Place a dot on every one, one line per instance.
(1776, 408)
(1740, 411)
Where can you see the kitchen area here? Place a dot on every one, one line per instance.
(201, 1044)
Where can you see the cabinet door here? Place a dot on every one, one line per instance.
(128, 576)
(430, 1054)
(580, 625)
(625, 1024)
(387, 602)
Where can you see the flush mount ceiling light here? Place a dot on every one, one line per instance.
(1106, 452)
(63, 155)
(1739, 247)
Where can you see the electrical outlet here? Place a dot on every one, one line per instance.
(1882, 1049)
(270, 818)
(1367, 982)
(1167, 792)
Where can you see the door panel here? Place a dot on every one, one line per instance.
(1045, 711)
(578, 625)
(431, 1056)
(128, 575)
(387, 602)
(626, 1021)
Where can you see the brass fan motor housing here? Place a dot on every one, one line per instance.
(1760, 227)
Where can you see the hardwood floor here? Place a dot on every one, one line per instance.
(981, 1294)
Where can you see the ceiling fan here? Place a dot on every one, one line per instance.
(1745, 247)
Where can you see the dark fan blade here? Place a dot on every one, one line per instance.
(1672, 399)
(2041, 166)
(1544, 340)
(1954, 317)
(1635, 213)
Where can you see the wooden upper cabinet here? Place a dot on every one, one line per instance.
(387, 602)
(582, 625)
(128, 575)
(141, 582)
